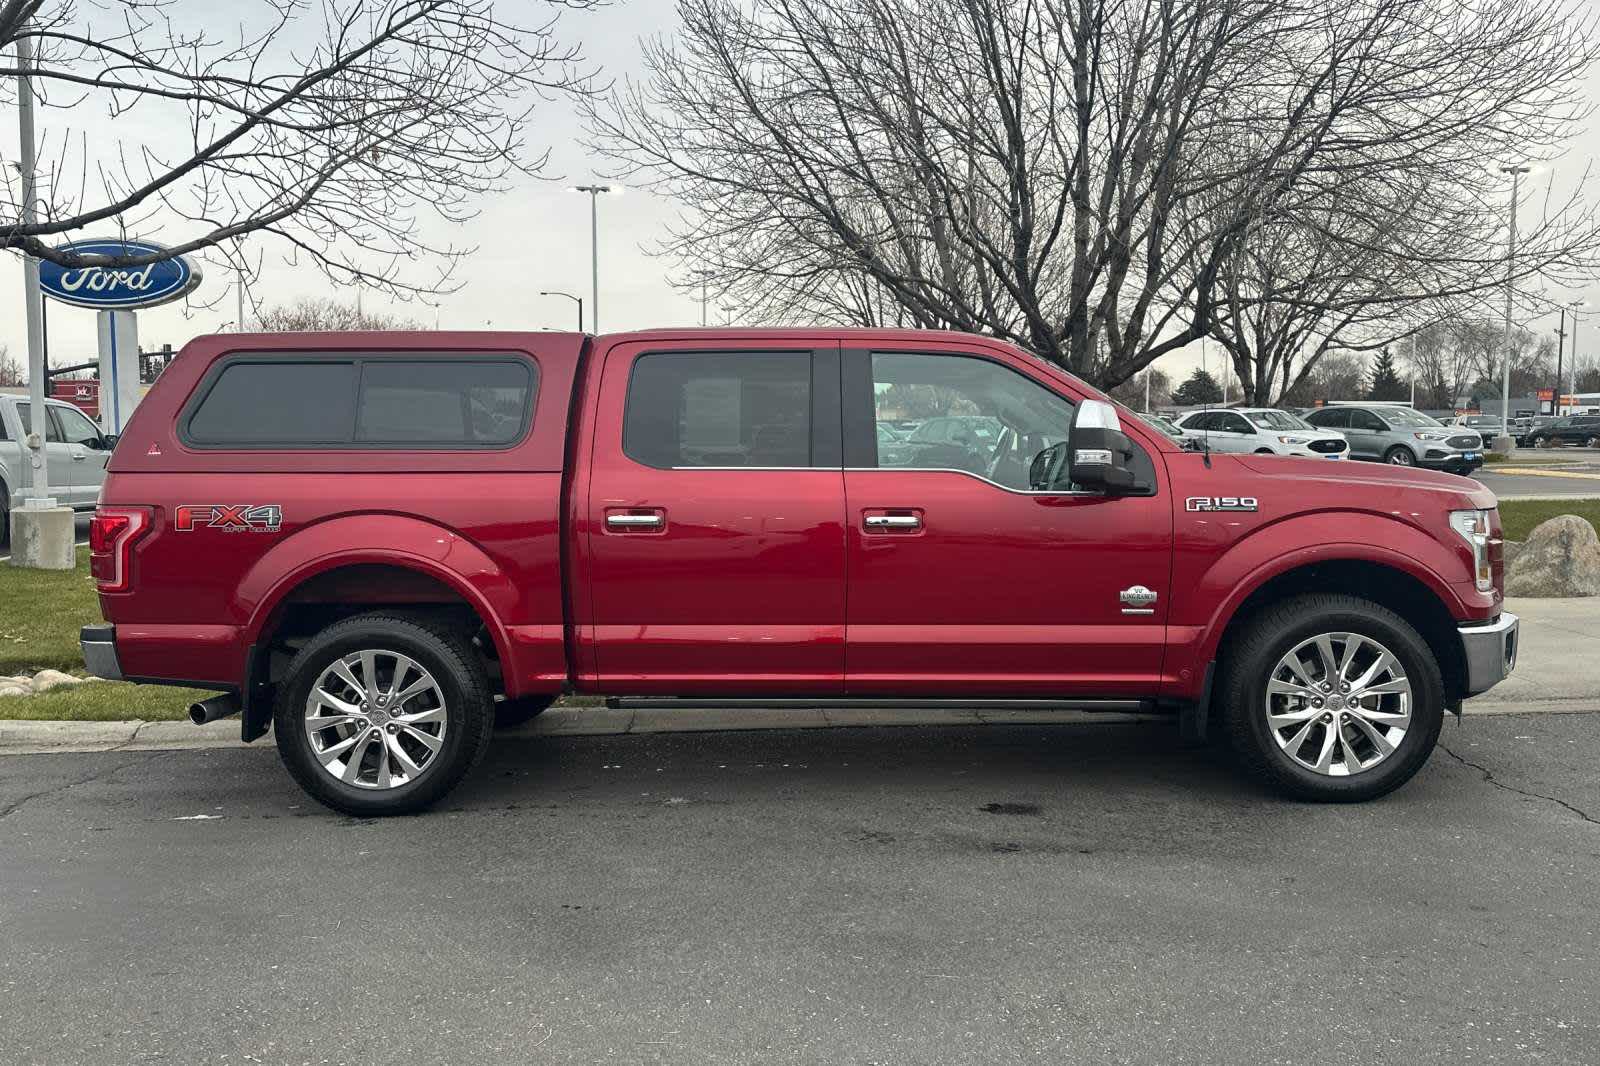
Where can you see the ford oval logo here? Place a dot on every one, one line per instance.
(117, 288)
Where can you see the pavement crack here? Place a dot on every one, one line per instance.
(1488, 776)
(16, 805)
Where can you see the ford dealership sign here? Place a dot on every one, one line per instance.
(118, 288)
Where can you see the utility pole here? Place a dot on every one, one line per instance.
(1516, 170)
(702, 300)
(575, 299)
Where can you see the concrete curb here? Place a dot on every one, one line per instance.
(46, 738)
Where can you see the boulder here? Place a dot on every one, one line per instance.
(1561, 557)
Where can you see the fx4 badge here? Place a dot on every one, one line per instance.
(228, 517)
(1221, 503)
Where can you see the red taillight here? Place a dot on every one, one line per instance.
(112, 533)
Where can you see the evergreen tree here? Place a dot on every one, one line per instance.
(1200, 388)
(1386, 381)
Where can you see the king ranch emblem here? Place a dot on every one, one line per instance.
(228, 517)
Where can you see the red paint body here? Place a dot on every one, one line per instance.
(757, 582)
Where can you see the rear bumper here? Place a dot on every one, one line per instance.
(99, 644)
(1491, 652)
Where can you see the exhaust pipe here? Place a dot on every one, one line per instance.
(214, 708)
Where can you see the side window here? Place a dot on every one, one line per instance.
(1204, 421)
(1331, 417)
(995, 419)
(1366, 420)
(52, 428)
(392, 402)
(705, 409)
(1232, 423)
(76, 427)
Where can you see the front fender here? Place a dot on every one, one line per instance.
(385, 539)
(1215, 579)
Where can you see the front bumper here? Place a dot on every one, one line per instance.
(1491, 652)
(99, 644)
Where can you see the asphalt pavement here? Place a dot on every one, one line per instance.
(1567, 472)
(1058, 894)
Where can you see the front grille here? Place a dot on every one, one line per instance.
(1329, 445)
(1473, 441)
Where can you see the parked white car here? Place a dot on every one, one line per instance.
(1263, 431)
(75, 455)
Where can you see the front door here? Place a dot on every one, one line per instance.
(714, 523)
(87, 453)
(964, 581)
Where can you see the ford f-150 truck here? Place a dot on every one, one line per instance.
(378, 545)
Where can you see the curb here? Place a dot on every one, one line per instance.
(48, 738)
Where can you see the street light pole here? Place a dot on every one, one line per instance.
(575, 299)
(594, 192)
(1516, 170)
(32, 300)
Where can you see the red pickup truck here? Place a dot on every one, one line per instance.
(382, 544)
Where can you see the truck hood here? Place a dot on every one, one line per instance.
(1353, 476)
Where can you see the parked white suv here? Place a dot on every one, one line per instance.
(1264, 431)
(75, 454)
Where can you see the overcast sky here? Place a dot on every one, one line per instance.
(532, 238)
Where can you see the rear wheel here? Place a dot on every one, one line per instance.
(1331, 698)
(383, 714)
(1400, 455)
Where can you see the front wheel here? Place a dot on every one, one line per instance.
(1331, 698)
(383, 714)
(1592, 442)
(1400, 456)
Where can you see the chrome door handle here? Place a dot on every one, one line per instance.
(79, 457)
(634, 521)
(893, 521)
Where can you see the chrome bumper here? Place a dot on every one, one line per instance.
(1491, 652)
(99, 644)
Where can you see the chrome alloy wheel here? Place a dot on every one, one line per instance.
(1338, 704)
(376, 719)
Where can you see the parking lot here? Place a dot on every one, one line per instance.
(1083, 893)
(1570, 472)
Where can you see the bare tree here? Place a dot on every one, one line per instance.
(1072, 175)
(326, 315)
(11, 374)
(336, 127)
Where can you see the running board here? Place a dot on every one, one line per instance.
(656, 703)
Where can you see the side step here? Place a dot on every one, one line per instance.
(656, 703)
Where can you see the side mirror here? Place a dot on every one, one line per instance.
(108, 441)
(1099, 454)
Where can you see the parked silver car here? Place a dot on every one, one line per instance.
(1399, 435)
(1264, 431)
(75, 455)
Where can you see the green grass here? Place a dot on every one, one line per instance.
(1518, 517)
(41, 612)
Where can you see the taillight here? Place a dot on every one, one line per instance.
(112, 533)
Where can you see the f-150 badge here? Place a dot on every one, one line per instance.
(1222, 503)
(228, 517)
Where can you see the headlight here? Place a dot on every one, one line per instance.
(1291, 440)
(1474, 529)
(1431, 436)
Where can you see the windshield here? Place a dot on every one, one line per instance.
(1405, 416)
(1276, 420)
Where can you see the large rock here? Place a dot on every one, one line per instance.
(1561, 557)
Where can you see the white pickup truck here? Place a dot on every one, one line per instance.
(75, 456)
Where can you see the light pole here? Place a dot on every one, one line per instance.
(32, 300)
(1575, 305)
(1516, 170)
(1561, 338)
(594, 192)
(575, 299)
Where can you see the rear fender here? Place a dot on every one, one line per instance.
(389, 540)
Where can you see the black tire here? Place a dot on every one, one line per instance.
(1400, 455)
(510, 713)
(1255, 653)
(5, 516)
(463, 684)
(1592, 442)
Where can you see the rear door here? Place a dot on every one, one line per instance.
(714, 521)
(57, 455)
(962, 579)
(1237, 434)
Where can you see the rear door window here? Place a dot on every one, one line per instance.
(721, 409)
